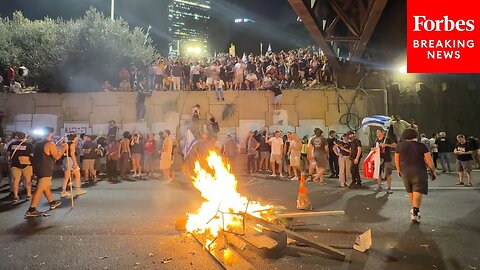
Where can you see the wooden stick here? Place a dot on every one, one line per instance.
(310, 214)
(316, 245)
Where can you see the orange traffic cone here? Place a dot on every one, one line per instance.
(303, 203)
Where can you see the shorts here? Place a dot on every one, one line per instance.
(65, 163)
(294, 160)
(88, 164)
(321, 161)
(149, 160)
(387, 167)
(465, 166)
(209, 81)
(276, 99)
(44, 182)
(136, 156)
(276, 158)
(415, 180)
(264, 155)
(18, 172)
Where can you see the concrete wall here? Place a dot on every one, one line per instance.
(302, 110)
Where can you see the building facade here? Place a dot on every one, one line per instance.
(188, 28)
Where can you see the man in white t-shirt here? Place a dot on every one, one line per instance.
(277, 151)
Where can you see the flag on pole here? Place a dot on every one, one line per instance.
(188, 143)
(231, 50)
(244, 58)
(377, 121)
(269, 50)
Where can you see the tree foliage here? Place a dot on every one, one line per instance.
(72, 55)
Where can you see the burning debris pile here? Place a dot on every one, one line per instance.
(227, 222)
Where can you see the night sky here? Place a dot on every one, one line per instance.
(275, 22)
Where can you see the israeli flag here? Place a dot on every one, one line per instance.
(188, 143)
(377, 121)
(269, 50)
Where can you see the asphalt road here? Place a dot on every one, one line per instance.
(130, 225)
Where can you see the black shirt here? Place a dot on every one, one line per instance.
(42, 163)
(354, 147)
(112, 131)
(465, 147)
(385, 152)
(444, 145)
(89, 150)
(346, 146)
(276, 90)
(24, 150)
(331, 143)
(412, 155)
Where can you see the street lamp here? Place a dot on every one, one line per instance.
(112, 10)
(403, 69)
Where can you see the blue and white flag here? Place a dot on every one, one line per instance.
(244, 58)
(269, 50)
(377, 121)
(188, 143)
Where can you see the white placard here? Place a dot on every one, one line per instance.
(77, 128)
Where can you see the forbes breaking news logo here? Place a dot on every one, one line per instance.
(441, 40)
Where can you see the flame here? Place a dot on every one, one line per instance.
(220, 193)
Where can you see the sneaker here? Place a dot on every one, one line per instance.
(378, 189)
(468, 185)
(33, 213)
(29, 197)
(294, 178)
(65, 194)
(54, 204)
(273, 175)
(415, 218)
(459, 183)
(79, 192)
(281, 175)
(134, 175)
(15, 199)
(389, 190)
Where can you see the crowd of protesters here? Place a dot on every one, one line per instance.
(106, 156)
(293, 69)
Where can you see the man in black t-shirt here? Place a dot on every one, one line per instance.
(385, 145)
(89, 156)
(464, 152)
(332, 140)
(20, 153)
(355, 157)
(411, 160)
(444, 148)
